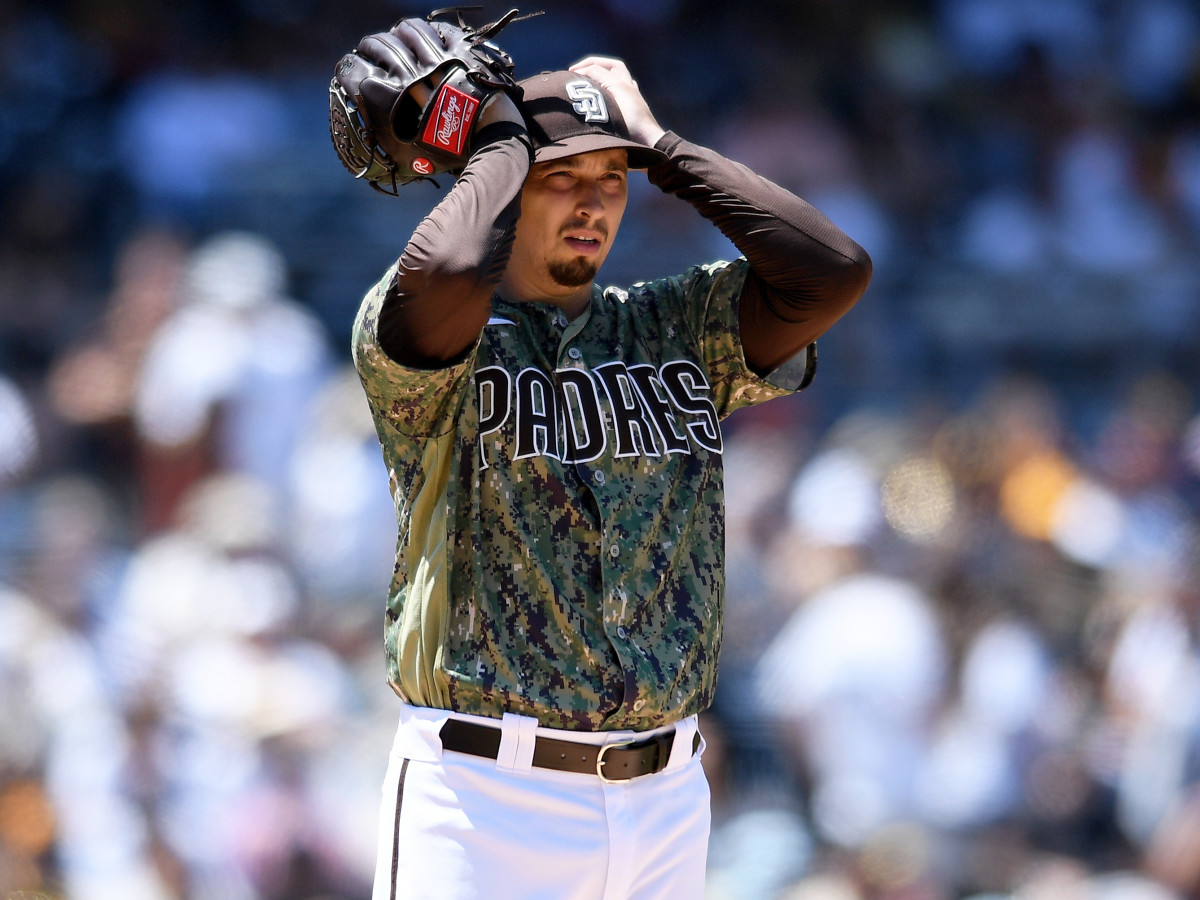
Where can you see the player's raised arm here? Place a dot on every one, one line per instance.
(441, 294)
(805, 272)
(429, 98)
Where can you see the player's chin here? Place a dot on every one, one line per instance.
(575, 272)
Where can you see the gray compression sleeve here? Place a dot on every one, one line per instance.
(805, 271)
(441, 295)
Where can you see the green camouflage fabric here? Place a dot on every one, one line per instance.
(559, 496)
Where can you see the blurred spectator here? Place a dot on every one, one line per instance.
(228, 376)
(182, 135)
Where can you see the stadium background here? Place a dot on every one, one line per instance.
(963, 620)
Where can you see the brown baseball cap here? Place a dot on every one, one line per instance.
(568, 113)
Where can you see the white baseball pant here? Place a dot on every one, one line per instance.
(454, 826)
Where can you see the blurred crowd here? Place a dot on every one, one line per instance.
(962, 654)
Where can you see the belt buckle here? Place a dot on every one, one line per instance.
(604, 748)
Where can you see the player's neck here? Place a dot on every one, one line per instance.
(572, 301)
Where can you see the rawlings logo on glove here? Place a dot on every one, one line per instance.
(450, 124)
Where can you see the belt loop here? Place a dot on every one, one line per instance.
(517, 738)
(526, 740)
(506, 757)
(681, 747)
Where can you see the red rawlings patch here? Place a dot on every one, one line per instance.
(422, 166)
(450, 121)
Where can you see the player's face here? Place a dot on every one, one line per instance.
(570, 211)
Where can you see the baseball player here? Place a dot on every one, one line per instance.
(554, 446)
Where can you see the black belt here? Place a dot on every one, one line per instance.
(612, 762)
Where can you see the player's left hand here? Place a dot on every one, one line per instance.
(613, 75)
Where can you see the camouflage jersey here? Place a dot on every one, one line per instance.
(560, 503)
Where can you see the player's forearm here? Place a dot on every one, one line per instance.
(442, 293)
(782, 231)
(805, 271)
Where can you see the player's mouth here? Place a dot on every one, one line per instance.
(584, 243)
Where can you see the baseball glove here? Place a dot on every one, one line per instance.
(403, 103)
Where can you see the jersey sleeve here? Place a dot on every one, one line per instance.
(414, 402)
(707, 298)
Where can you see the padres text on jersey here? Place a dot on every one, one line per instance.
(651, 410)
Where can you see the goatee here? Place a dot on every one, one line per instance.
(575, 273)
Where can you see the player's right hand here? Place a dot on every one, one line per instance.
(613, 75)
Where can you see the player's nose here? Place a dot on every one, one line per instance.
(589, 201)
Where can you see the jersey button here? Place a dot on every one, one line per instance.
(621, 632)
(598, 477)
(638, 704)
(614, 551)
(574, 353)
